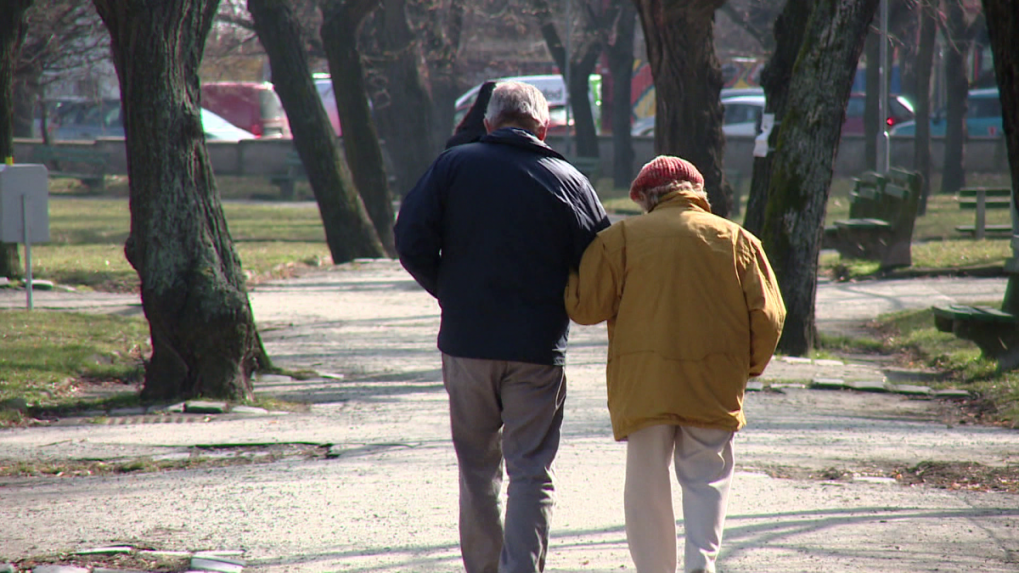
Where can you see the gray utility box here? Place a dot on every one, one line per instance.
(24, 200)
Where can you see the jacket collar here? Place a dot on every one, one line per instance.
(683, 199)
(519, 137)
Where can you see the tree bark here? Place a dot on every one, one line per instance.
(808, 140)
(348, 228)
(1003, 28)
(12, 33)
(956, 50)
(923, 69)
(340, 24)
(872, 98)
(442, 35)
(204, 339)
(688, 80)
(620, 56)
(403, 109)
(790, 27)
(582, 60)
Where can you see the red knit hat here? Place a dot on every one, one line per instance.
(663, 170)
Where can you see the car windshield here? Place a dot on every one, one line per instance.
(216, 127)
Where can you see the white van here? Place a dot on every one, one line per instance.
(554, 89)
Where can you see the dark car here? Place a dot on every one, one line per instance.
(84, 119)
(251, 106)
(899, 110)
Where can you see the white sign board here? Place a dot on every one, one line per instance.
(24, 198)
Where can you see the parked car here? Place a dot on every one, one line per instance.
(217, 128)
(983, 117)
(554, 89)
(252, 106)
(899, 110)
(741, 118)
(324, 86)
(87, 120)
(84, 119)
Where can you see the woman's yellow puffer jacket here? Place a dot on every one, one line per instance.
(693, 311)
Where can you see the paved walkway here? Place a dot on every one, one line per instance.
(379, 493)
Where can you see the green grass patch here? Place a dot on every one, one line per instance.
(50, 358)
(910, 336)
(88, 234)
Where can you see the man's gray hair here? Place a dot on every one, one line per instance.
(518, 104)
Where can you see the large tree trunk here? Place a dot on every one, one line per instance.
(790, 27)
(956, 52)
(340, 23)
(808, 139)
(349, 231)
(922, 102)
(12, 33)
(1003, 28)
(403, 109)
(620, 56)
(204, 340)
(442, 36)
(688, 81)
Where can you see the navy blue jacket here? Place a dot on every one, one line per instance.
(492, 230)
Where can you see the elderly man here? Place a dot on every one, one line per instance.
(492, 231)
(693, 311)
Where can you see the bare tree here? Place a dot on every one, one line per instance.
(808, 139)
(688, 81)
(342, 19)
(13, 25)
(959, 29)
(403, 110)
(922, 97)
(621, 57)
(204, 339)
(349, 232)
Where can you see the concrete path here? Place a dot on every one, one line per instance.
(384, 497)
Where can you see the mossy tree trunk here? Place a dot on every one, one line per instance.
(790, 26)
(349, 231)
(12, 34)
(341, 20)
(808, 140)
(688, 80)
(1003, 28)
(204, 340)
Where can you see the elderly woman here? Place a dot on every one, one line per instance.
(693, 312)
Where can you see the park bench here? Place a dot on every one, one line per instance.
(979, 199)
(994, 331)
(86, 165)
(293, 171)
(589, 166)
(882, 213)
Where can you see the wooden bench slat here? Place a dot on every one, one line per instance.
(974, 313)
(988, 191)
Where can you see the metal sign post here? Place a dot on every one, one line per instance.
(24, 211)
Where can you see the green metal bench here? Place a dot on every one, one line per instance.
(882, 213)
(64, 162)
(994, 331)
(979, 199)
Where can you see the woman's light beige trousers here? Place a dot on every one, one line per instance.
(703, 461)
